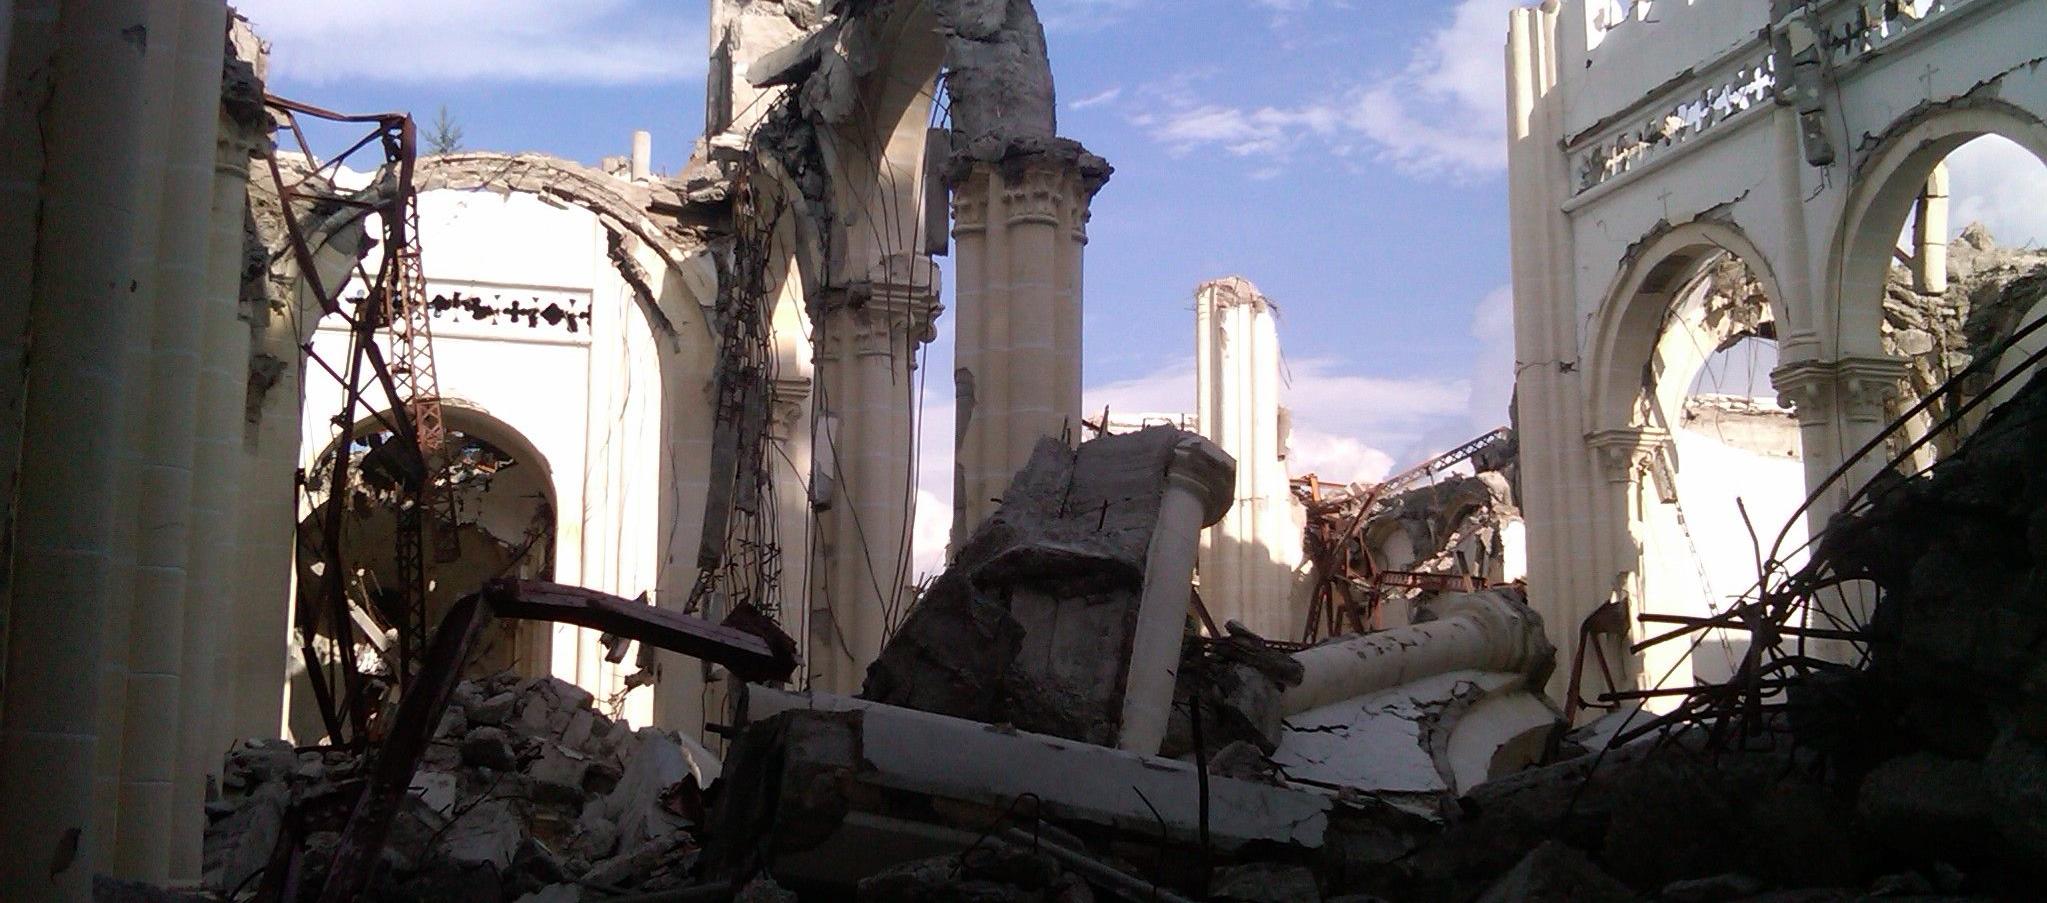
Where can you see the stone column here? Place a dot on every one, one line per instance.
(266, 454)
(1842, 404)
(1248, 559)
(866, 339)
(32, 42)
(80, 311)
(789, 469)
(1198, 492)
(1559, 480)
(213, 574)
(1021, 226)
(163, 495)
(159, 76)
(1483, 631)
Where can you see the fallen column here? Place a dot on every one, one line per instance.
(1484, 631)
(1423, 713)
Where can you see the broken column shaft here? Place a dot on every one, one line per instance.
(867, 338)
(1020, 224)
(1248, 559)
(1483, 631)
(1197, 494)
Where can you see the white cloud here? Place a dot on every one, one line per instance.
(1346, 426)
(1336, 459)
(1096, 99)
(1441, 116)
(929, 532)
(2002, 185)
(607, 42)
(932, 525)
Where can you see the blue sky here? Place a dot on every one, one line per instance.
(1345, 155)
(1342, 155)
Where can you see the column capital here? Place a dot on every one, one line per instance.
(899, 295)
(1627, 451)
(1046, 188)
(1869, 383)
(786, 396)
(1809, 386)
(1204, 469)
(1858, 386)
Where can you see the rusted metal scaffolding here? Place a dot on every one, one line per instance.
(392, 308)
(1349, 583)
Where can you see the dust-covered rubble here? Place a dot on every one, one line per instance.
(526, 788)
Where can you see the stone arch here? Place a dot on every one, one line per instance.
(1683, 294)
(1629, 349)
(621, 209)
(876, 153)
(494, 539)
(1887, 182)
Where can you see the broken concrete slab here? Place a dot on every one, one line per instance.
(1424, 740)
(868, 752)
(1065, 613)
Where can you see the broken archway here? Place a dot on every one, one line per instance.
(499, 520)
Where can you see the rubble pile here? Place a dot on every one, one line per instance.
(526, 788)
(1453, 525)
(1924, 774)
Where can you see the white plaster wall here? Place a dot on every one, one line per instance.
(1655, 42)
(590, 401)
(1733, 176)
(1696, 575)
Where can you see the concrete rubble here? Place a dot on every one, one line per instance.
(526, 789)
(994, 713)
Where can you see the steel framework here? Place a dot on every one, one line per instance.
(1349, 581)
(393, 308)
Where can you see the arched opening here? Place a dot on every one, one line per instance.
(1725, 474)
(1968, 270)
(497, 518)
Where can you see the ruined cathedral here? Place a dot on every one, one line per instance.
(383, 524)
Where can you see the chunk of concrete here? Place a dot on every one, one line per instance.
(490, 834)
(938, 757)
(1065, 612)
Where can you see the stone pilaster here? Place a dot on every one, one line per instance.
(1842, 404)
(1020, 226)
(866, 336)
(789, 467)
